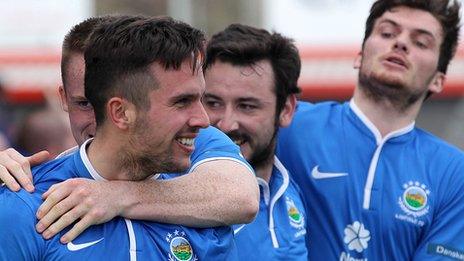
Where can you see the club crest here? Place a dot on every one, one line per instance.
(295, 216)
(414, 200)
(179, 246)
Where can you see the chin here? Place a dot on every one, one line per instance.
(389, 79)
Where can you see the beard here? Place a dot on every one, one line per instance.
(262, 154)
(381, 88)
(141, 158)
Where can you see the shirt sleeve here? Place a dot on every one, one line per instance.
(18, 237)
(212, 144)
(445, 237)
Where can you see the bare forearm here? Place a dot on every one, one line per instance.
(216, 193)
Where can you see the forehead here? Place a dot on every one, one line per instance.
(412, 19)
(175, 82)
(223, 78)
(75, 73)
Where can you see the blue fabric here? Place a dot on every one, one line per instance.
(254, 240)
(109, 241)
(416, 207)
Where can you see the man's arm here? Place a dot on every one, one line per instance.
(219, 192)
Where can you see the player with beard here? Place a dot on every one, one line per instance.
(251, 81)
(139, 73)
(376, 186)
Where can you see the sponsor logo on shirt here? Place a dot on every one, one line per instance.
(413, 202)
(356, 238)
(446, 251)
(180, 248)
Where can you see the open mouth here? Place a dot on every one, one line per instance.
(188, 142)
(398, 61)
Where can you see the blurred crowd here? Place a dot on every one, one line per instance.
(35, 127)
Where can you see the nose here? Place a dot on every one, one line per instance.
(199, 118)
(401, 44)
(227, 122)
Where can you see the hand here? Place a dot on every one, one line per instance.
(93, 202)
(15, 168)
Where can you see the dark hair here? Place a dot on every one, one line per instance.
(245, 45)
(75, 41)
(119, 55)
(445, 11)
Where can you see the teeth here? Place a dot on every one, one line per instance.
(238, 141)
(186, 141)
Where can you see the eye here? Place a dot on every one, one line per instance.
(212, 103)
(183, 102)
(420, 44)
(423, 41)
(247, 107)
(387, 31)
(387, 34)
(84, 105)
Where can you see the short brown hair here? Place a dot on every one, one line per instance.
(445, 11)
(244, 45)
(119, 55)
(75, 41)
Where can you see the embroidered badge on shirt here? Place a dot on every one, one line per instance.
(294, 214)
(414, 203)
(180, 247)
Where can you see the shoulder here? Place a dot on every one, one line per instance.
(212, 138)
(307, 109)
(18, 206)
(17, 220)
(442, 152)
(312, 118)
(53, 171)
(212, 144)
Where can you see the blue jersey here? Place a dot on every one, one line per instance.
(278, 232)
(118, 239)
(399, 197)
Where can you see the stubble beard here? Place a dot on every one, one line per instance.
(264, 154)
(379, 88)
(140, 161)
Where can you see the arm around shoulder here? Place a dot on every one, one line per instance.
(215, 193)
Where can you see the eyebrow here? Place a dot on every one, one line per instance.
(416, 30)
(209, 95)
(241, 99)
(249, 99)
(185, 96)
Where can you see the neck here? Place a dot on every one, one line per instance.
(103, 155)
(264, 170)
(385, 115)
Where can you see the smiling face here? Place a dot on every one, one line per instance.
(240, 101)
(399, 59)
(163, 135)
(81, 115)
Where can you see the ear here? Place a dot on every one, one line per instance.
(121, 112)
(436, 85)
(286, 115)
(357, 61)
(63, 100)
